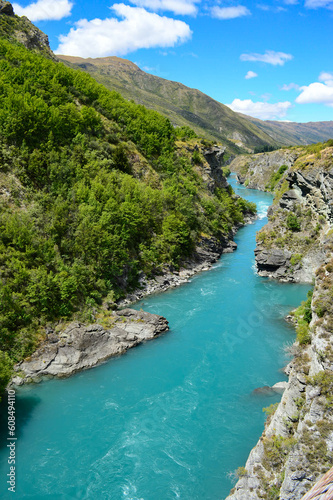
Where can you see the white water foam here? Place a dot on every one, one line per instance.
(262, 209)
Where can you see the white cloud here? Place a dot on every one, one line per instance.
(262, 110)
(139, 29)
(250, 74)
(270, 57)
(327, 78)
(290, 86)
(45, 10)
(316, 92)
(230, 12)
(182, 7)
(272, 8)
(316, 4)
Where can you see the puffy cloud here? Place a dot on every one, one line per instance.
(139, 29)
(230, 12)
(262, 110)
(270, 57)
(327, 78)
(177, 6)
(45, 10)
(250, 74)
(316, 92)
(290, 86)
(316, 4)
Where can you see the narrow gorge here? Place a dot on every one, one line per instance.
(296, 447)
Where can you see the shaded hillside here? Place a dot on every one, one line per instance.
(182, 105)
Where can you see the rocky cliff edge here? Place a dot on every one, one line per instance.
(296, 447)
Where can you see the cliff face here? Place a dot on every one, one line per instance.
(297, 238)
(296, 447)
(256, 171)
(297, 444)
(20, 29)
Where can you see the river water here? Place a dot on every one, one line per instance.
(173, 418)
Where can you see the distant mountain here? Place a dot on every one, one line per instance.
(186, 106)
(181, 104)
(290, 133)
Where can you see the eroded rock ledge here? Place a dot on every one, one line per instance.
(298, 236)
(80, 346)
(296, 447)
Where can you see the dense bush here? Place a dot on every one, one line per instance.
(77, 224)
(293, 223)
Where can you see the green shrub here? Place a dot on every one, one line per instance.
(270, 410)
(6, 367)
(276, 177)
(241, 472)
(296, 258)
(293, 223)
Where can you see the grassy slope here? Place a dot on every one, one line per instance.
(186, 106)
(289, 133)
(181, 104)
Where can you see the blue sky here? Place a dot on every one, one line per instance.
(269, 59)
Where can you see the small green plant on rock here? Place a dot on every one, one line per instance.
(293, 223)
(241, 472)
(296, 258)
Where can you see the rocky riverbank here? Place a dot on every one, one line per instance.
(296, 447)
(207, 252)
(298, 237)
(80, 346)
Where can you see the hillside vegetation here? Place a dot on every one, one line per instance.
(182, 105)
(93, 190)
(290, 133)
(187, 106)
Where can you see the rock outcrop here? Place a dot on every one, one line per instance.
(21, 30)
(208, 162)
(297, 238)
(214, 157)
(6, 8)
(296, 447)
(80, 346)
(256, 170)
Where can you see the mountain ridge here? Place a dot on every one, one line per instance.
(184, 106)
(187, 106)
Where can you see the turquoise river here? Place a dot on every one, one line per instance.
(172, 418)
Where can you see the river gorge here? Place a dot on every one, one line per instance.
(173, 418)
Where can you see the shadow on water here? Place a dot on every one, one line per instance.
(24, 408)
